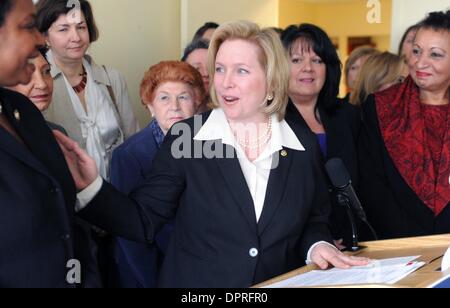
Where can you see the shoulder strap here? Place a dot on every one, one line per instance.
(110, 89)
(113, 98)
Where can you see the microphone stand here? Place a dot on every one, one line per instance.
(343, 200)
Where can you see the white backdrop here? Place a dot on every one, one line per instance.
(405, 13)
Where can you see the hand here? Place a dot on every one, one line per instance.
(82, 166)
(325, 255)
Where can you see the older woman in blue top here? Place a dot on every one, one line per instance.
(172, 91)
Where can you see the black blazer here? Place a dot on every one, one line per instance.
(392, 206)
(342, 129)
(217, 241)
(38, 234)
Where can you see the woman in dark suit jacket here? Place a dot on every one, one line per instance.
(405, 142)
(313, 90)
(241, 215)
(40, 236)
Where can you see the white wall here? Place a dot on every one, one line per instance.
(194, 13)
(135, 34)
(405, 13)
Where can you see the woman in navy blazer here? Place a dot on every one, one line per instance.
(172, 91)
(39, 233)
(241, 215)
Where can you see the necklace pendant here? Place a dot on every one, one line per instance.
(82, 85)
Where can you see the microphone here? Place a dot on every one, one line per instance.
(341, 181)
(346, 196)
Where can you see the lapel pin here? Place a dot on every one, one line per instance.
(284, 153)
(17, 115)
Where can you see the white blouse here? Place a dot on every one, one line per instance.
(99, 126)
(256, 173)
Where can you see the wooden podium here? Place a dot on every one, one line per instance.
(431, 249)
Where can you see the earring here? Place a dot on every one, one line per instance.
(270, 98)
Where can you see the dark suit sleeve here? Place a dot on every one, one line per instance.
(354, 115)
(376, 195)
(140, 216)
(317, 226)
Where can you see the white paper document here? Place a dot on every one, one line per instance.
(387, 271)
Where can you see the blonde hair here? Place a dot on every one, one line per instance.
(357, 53)
(379, 70)
(272, 58)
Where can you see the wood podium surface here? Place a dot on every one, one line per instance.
(430, 248)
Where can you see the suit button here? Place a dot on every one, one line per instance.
(65, 237)
(254, 252)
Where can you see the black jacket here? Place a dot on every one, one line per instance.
(342, 129)
(392, 206)
(38, 232)
(217, 241)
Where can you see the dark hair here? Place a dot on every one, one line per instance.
(200, 44)
(5, 7)
(202, 30)
(43, 51)
(315, 38)
(48, 11)
(405, 35)
(439, 20)
(287, 30)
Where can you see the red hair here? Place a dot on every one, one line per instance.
(172, 71)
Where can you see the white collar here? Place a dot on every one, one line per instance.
(217, 128)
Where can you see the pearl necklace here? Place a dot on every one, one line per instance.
(260, 141)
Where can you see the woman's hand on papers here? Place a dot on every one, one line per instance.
(325, 255)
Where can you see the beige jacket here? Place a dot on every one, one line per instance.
(62, 112)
